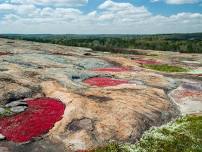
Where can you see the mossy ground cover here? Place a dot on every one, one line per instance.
(183, 135)
(6, 113)
(165, 68)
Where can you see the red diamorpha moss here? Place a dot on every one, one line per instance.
(199, 75)
(187, 93)
(147, 62)
(113, 69)
(104, 82)
(4, 53)
(39, 118)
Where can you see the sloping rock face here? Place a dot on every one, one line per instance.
(188, 97)
(103, 97)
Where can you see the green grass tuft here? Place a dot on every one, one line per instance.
(165, 68)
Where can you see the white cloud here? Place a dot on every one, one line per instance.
(177, 2)
(154, 1)
(57, 3)
(109, 17)
(123, 12)
(181, 1)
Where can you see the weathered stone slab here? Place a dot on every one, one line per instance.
(188, 97)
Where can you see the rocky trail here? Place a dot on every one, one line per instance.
(58, 98)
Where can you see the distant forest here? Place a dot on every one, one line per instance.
(185, 43)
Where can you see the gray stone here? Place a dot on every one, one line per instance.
(2, 110)
(84, 123)
(18, 109)
(16, 103)
(91, 63)
(2, 137)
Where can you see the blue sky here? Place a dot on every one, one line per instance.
(156, 8)
(100, 16)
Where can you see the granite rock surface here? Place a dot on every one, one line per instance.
(95, 115)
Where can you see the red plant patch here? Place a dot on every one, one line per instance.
(113, 69)
(104, 82)
(187, 93)
(5, 53)
(38, 119)
(147, 62)
(198, 75)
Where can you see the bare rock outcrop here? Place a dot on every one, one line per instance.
(94, 113)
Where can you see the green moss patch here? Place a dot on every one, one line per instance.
(164, 68)
(112, 147)
(183, 135)
(7, 112)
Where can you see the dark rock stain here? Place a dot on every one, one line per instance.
(80, 124)
(99, 98)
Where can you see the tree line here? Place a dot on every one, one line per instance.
(186, 43)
